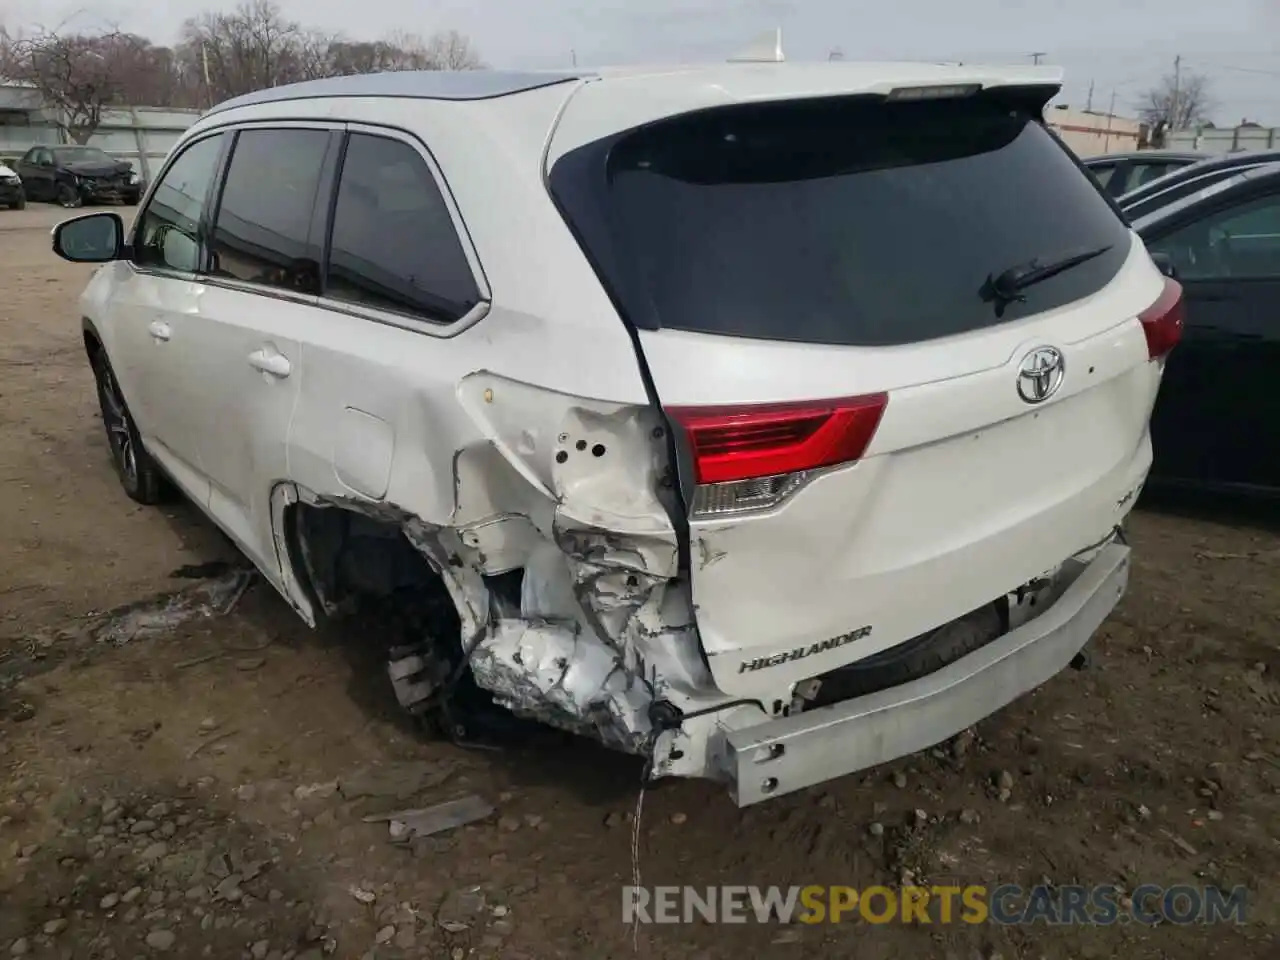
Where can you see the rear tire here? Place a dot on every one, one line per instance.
(139, 475)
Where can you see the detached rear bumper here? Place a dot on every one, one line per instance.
(785, 755)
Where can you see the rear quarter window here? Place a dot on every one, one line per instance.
(842, 221)
(1102, 173)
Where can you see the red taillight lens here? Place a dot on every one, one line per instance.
(741, 443)
(1162, 321)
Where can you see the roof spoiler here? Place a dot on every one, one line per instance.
(766, 48)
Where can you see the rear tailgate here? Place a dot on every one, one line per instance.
(888, 413)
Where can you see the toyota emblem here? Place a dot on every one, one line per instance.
(1040, 374)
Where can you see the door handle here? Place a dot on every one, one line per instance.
(160, 330)
(272, 363)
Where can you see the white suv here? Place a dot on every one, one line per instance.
(769, 421)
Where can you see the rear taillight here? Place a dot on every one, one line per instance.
(750, 458)
(1162, 321)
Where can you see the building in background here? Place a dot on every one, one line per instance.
(1091, 134)
(141, 135)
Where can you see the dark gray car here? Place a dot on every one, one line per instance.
(1214, 424)
(75, 175)
(1191, 179)
(1120, 173)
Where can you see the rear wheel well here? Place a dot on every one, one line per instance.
(364, 570)
(344, 556)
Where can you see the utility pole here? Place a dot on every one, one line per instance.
(573, 55)
(1035, 57)
(1106, 144)
(1177, 90)
(1088, 107)
(835, 54)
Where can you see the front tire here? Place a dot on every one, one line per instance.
(19, 204)
(69, 197)
(139, 475)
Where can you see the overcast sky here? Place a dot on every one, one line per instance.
(1121, 46)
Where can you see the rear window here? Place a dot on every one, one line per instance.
(842, 221)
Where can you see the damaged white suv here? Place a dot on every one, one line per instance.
(769, 421)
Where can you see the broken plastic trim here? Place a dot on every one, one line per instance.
(599, 632)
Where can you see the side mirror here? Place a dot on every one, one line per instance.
(93, 238)
(1164, 263)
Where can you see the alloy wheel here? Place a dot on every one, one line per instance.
(119, 428)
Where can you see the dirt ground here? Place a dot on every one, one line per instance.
(201, 790)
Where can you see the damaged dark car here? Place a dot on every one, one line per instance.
(75, 175)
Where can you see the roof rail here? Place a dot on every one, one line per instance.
(766, 48)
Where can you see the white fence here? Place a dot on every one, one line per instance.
(1225, 139)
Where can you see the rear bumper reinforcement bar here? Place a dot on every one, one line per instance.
(808, 748)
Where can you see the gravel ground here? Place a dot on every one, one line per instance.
(202, 789)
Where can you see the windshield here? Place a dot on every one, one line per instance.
(81, 155)
(843, 221)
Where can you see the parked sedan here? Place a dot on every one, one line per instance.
(1119, 173)
(1217, 419)
(1191, 179)
(11, 192)
(72, 176)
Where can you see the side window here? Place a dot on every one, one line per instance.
(168, 233)
(1149, 172)
(264, 218)
(394, 245)
(1126, 179)
(1241, 242)
(1103, 173)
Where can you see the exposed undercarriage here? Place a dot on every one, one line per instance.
(590, 641)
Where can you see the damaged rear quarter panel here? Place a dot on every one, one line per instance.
(491, 473)
(524, 441)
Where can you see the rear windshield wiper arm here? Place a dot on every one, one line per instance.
(1006, 287)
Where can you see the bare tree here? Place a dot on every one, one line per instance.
(250, 48)
(1177, 102)
(255, 46)
(221, 55)
(377, 56)
(313, 55)
(153, 76)
(450, 50)
(79, 75)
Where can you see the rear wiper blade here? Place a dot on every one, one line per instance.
(1006, 287)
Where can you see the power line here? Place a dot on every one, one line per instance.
(1234, 69)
